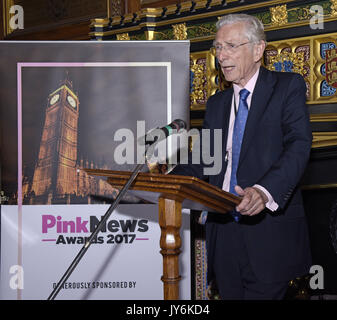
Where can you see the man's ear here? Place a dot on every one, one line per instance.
(259, 50)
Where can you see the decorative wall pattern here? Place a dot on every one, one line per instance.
(199, 80)
(290, 56)
(325, 68)
(201, 269)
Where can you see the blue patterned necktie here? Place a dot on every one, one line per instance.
(239, 129)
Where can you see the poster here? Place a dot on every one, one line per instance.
(62, 105)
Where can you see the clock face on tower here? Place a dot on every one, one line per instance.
(54, 99)
(71, 101)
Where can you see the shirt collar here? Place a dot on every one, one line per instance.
(250, 85)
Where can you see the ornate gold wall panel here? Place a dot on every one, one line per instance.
(204, 77)
(307, 57)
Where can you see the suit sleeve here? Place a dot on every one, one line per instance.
(284, 175)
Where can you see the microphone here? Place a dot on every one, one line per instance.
(160, 134)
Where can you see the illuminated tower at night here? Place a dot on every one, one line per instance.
(55, 171)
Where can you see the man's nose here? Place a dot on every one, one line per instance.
(223, 55)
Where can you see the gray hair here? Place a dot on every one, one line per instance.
(254, 27)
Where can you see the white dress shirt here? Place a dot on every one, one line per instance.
(271, 204)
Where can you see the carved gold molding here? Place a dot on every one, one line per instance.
(198, 67)
(123, 36)
(198, 83)
(205, 78)
(149, 35)
(150, 13)
(279, 15)
(334, 7)
(331, 67)
(213, 73)
(323, 117)
(324, 139)
(180, 31)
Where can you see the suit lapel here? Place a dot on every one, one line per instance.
(227, 104)
(262, 92)
(220, 120)
(224, 124)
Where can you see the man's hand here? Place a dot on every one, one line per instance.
(253, 201)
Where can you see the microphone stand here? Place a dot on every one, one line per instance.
(95, 232)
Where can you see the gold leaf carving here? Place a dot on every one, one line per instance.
(123, 36)
(334, 7)
(279, 15)
(296, 59)
(180, 31)
(198, 85)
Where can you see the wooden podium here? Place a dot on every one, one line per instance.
(172, 192)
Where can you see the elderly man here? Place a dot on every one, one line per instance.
(254, 251)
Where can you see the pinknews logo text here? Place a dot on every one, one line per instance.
(115, 231)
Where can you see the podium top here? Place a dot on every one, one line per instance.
(192, 192)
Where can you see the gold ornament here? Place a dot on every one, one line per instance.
(334, 7)
(279, 15)
(123, 36)
(287, 61)
(198, 85)
(180, 31)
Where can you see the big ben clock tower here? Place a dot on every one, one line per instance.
(55, 171)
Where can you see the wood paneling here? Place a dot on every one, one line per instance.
(1, 22)
(57, 20)
(71, 31)
(157, 4)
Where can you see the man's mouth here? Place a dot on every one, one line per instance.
(227, 68)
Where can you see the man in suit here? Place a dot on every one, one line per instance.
(257, 249)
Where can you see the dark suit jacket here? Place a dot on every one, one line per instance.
(274, 154)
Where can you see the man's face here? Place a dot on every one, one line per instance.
(237, 64)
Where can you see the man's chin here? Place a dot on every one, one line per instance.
(229, 78)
